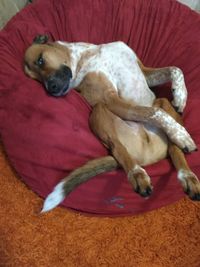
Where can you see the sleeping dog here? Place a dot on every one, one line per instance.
(137, 128)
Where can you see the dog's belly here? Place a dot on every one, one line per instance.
(146, 144)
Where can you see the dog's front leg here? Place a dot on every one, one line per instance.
(158, 76)
(156, 116)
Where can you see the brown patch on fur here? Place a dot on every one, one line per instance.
(85, 56)
(176, 154)
(96, 88)
(54, 56)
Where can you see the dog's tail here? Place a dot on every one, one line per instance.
(77, 177)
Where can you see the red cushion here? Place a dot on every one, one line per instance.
(46, 137)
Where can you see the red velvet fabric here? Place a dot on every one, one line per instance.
(45, 137)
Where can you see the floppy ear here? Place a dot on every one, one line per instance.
(40, 39)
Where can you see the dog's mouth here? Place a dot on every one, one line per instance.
(57, 84)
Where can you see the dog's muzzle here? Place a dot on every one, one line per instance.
(57, 83)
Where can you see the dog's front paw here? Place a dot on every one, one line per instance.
(190, 184)
(179, 89)
(183, 139)
(140, 181)
(179, 100)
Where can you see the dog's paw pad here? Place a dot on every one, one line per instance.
(145, 192)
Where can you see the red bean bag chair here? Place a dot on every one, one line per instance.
(46, 138)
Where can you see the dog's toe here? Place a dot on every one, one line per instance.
(147, 192)
(141, 182)
(190, 183)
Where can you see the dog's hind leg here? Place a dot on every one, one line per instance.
(106, 126)
(158, 76)
(189, 181)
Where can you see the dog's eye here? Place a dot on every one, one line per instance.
(40, 61)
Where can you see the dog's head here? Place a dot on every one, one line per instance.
(49, 63)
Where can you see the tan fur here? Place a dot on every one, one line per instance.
(109, 112)
(54, 55)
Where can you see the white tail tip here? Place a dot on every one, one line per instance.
(54, 198)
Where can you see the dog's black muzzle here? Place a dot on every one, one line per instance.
(57, 83)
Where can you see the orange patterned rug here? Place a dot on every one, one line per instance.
(168, 237)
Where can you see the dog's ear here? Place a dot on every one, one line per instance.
(40, 39)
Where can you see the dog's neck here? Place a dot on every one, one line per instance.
(79, 53)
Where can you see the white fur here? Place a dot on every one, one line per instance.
(180, 91)
(54, 198)
(175, 131)
(138, 169)
(184, 174)
(176, 77)
(119, 63)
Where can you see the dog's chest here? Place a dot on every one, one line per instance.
(119, 64)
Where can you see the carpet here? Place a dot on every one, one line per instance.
(167, 237)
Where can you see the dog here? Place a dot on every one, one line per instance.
(137, 128)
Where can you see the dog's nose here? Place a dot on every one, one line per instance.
(57, 83)
(53, 88)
